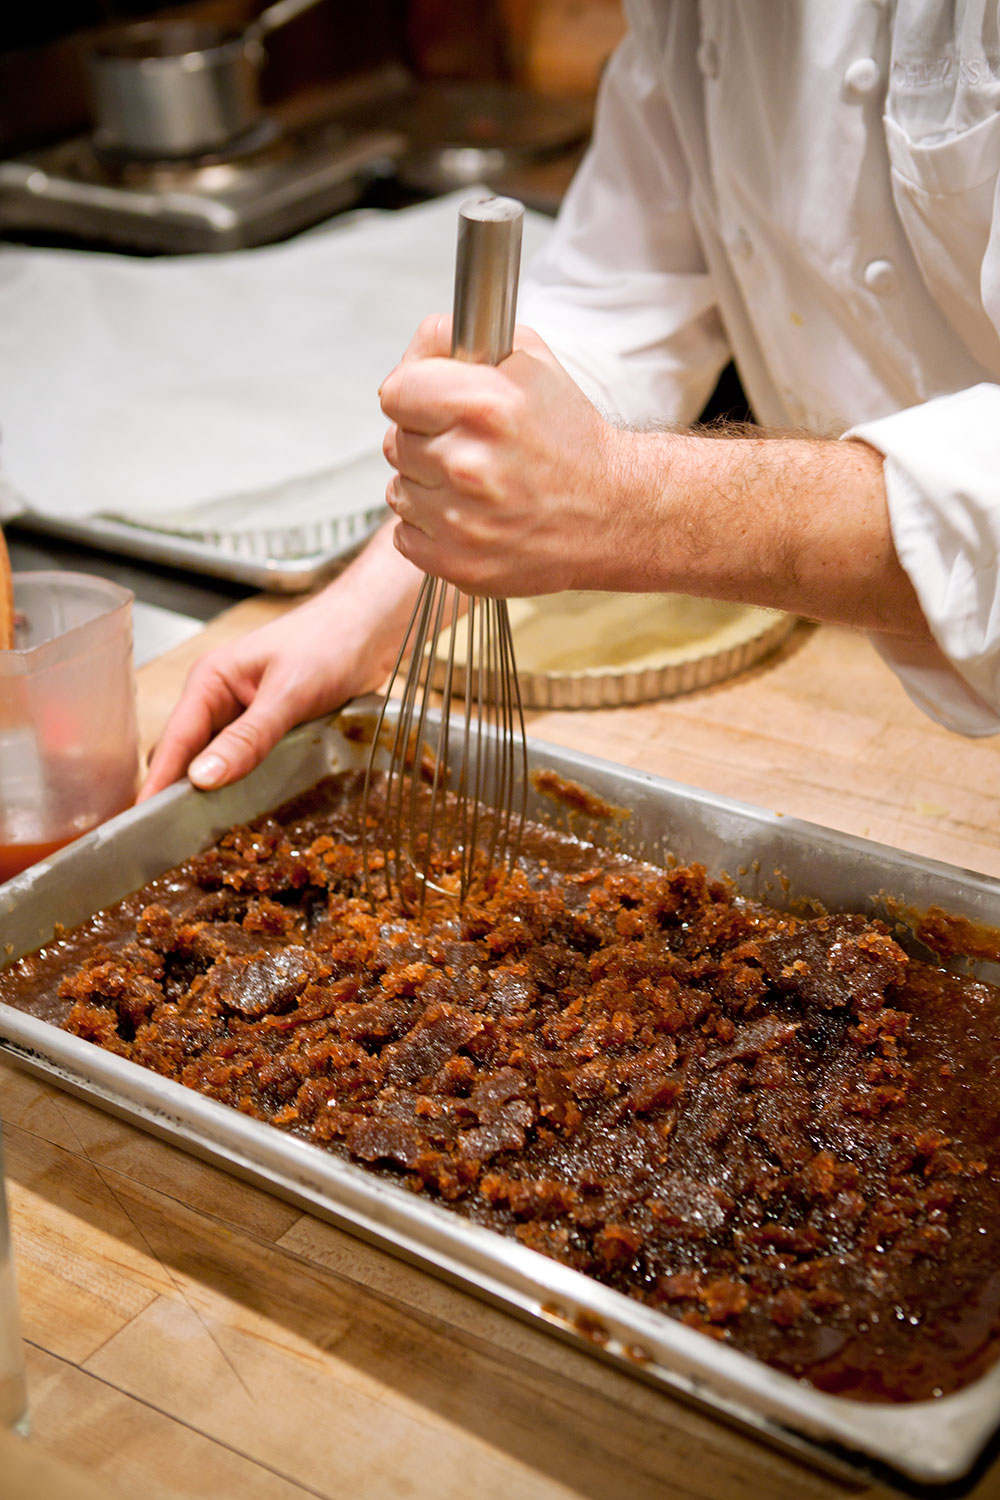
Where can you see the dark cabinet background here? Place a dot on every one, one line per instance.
(42, 49)
(552, 46)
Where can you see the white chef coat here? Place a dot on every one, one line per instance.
(811, 188)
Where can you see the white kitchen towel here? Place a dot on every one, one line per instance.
(216, 394)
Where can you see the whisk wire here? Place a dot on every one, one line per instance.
(513, 739)
(366, 797)
(495, 691)
(418, 690)
(475, 671)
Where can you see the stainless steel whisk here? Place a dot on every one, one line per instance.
(479, 822)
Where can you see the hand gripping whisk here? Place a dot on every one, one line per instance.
(435, 835)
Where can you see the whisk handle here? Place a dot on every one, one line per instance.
(486, 270)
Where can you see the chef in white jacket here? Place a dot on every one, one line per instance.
(808, 188)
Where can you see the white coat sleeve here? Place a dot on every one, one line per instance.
(942, 478)
(621, 291)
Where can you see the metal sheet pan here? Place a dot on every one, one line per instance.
(288, 561)
(922, 1442)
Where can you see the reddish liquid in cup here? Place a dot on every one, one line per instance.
(77, 791)
(17, 857)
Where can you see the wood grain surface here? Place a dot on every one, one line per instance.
(189, 1335)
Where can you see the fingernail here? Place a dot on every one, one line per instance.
(207, 771)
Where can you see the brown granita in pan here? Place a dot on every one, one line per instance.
(780, 1130)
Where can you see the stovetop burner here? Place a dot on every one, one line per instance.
(265, 138)
(273, 181)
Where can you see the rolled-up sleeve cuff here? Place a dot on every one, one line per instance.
(942, 479)
(932, 683)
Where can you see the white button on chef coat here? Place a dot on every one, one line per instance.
(881, 277)
(862, 77)
(707, 58)
(741, 245)
(638, 289)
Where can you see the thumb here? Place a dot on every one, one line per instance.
(432, 338)
(527, 341)
(243, 744)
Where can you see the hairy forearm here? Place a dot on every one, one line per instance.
(792, 523)
(509, 481)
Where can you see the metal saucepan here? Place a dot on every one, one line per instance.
(180, 88)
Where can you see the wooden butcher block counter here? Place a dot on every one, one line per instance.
(190, 1335)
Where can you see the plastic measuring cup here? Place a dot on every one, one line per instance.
(68, 739)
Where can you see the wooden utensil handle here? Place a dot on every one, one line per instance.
(6, 599)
